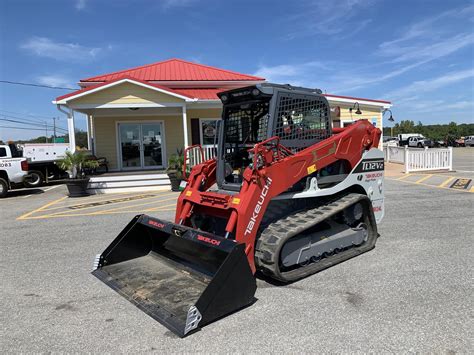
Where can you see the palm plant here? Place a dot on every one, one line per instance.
(175, 163)
(75, 163)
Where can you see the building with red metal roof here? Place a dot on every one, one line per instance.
(138, 117)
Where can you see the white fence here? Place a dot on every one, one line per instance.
(416, 159)
(210, 151)
(194, 155)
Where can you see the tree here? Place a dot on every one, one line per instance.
(81, 138)
(436, 132)
(453, 128)
(407, 126)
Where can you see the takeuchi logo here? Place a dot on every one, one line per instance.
(258, 207)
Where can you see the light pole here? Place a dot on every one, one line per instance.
(390, 119)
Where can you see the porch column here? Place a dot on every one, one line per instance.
(71, 131)
(88, 128)
(92, 133)
(185, 127)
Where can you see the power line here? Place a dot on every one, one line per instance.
(29, 129)
(29, 123)
(35, 85)
(30, 120)
(23, 118)
(27, 114)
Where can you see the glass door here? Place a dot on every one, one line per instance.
(152, 145)
(130, 146)
(141, 145)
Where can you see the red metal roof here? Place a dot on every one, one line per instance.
(202, 94)
(92, 87)
(175, 70)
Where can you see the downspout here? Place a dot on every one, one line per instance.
(70, 126)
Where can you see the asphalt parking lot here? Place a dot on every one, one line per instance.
(412, 293)
(463, 160)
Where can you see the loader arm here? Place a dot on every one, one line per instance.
(264, 180)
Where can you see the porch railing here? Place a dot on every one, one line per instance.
(419, 159)
(195, 155)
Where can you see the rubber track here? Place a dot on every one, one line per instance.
(275, 235)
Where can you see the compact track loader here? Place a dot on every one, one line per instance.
(287, 196)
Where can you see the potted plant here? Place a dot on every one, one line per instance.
(175, 170)
(75, 164)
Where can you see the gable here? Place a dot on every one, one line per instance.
(125, 93)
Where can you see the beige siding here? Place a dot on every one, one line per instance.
(368, 112)
(210, 113)
(106, 135)
(126, 93)
(105, 128)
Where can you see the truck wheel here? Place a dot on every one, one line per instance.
(420, 145)
(3, 187)
(34, 179)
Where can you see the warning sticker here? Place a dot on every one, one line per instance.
(460, 184)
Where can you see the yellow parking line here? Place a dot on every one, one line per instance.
(107, 197)
(403, 177)
(447, 181)
(434, 186)
(26, 215)
(91, 214)
(423, 179)
(138, 205)
(86, 208)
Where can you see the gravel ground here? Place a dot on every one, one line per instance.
(412, 293)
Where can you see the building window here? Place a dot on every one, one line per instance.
(208, 131)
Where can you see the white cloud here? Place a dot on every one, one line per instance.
(332, 77)
(54, 80)
(80, 5)
(435, 106)
(423, 86)
(460, 105)
(300, 74)
(431, 38)
(329, 18)
(428, 51)
(167, 4)
(46, 47)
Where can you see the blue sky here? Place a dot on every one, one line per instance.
(418, 54)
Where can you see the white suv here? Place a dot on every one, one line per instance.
(469, 141)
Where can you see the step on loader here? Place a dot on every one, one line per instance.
(287, 196)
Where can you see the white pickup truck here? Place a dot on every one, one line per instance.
(41, 159)
(13, 169)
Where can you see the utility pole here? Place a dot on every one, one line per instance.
(46, 128)
(54, 128)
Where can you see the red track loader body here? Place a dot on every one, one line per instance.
(276, 147)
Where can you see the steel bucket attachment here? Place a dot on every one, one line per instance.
(179, 276)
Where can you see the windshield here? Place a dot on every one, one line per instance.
(246, 123)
